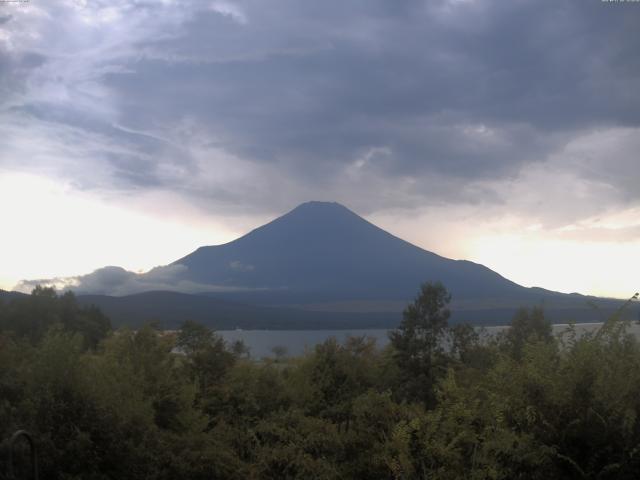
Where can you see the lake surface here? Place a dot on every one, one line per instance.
(296, 342)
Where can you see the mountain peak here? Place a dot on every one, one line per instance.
(320, 206)
(319, 203)
(317, 219)
(310, 217)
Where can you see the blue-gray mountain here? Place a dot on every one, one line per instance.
(323, 257)
(324, 252)
(321, 265)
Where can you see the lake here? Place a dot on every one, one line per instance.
(296, 342)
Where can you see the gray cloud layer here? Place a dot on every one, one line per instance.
(255, 106)
(117, 281)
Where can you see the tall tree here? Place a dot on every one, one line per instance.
(418, 342)
(527, 326)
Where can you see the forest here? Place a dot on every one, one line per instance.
(441, 401)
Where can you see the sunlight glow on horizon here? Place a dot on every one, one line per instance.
(51, 230)
(575, 259)
(54, 231)
(592, 268)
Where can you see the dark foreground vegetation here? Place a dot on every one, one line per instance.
(438, 403)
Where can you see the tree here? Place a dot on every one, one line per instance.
(30, 317)
(206, 355)
(325, 382)
(193, 337)
(417, 342)
(528, 326)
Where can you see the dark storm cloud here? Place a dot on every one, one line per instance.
(352, 98)
(15, 71)
(312, 88)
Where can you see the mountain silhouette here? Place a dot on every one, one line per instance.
(322, 266)
(322, 251)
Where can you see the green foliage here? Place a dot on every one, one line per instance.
(207, 358)
(438, 402)
(527, 326)
(31, 317)
(336, 374)
(418, 343)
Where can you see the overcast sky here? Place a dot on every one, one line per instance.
(507, 133)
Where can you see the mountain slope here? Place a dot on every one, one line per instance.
(7, 296)
(324, 252)
(322, 266)
(170, 309)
